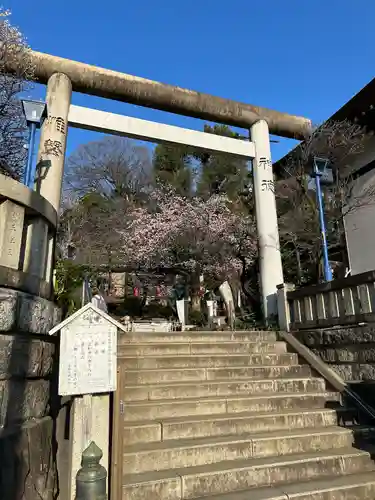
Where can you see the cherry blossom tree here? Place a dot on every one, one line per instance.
(198, 236)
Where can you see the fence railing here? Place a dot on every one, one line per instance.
(27, 239)
(343, 301)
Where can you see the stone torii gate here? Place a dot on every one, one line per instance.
(63, 76)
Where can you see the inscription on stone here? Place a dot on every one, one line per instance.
(59, 123)
(53, 148)
(267, 185)
(265, 162)
(11, 227)
(88, 355)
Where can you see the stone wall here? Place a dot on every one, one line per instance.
(350, 351)
(28, 397)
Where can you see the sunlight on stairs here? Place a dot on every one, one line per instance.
(235, 416)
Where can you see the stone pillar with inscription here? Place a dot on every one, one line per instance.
(39, 244)
(271, 271)
(11, 228)
(51, 154)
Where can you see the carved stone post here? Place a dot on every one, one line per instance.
(51, 154)
(39, 248)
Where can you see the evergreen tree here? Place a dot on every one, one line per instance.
(172, 166)
(222, 173)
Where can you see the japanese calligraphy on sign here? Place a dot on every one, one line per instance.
(88, 355)
(265, 162)
(267, 185)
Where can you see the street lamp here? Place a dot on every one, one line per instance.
(35, 112)
(319, 170)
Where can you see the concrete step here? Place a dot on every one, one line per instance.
(183, 390)
(351, 487)
(192, 452)
(138, 377)
(237, 475)
(207, 361)
(185, 348)
(194, 427)
(245, 336)
(270, 402)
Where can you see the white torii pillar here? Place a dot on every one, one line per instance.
(271, 271)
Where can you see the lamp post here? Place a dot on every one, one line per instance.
(319, 168)
(35, 112)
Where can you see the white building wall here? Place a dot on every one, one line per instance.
(360, 222)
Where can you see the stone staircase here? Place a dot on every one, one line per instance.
(235, 416)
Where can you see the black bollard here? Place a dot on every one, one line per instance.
(91, 480)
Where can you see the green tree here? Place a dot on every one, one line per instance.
(172, 166)
(222, 173)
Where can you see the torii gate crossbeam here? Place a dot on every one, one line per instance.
(110, 84)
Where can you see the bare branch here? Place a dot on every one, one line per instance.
(300, 236)
(12, 123)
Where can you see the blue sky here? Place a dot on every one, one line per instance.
(299, 56)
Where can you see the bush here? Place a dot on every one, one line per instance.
(67, 285)
(198, 318)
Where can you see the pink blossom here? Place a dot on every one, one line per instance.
(190, 233)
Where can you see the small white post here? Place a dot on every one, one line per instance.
(271, 271)
(181, 312)
(283, 306)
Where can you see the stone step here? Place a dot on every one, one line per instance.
(138, 377)
(225, 424)
(207, 361)
(193, 452)
(237, 475)
(184, 390)
(351, 487)
(195, 336)
(270, 402)
(185, 348)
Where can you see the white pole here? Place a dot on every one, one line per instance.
(271, 271)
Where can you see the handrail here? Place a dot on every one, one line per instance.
(337, 284)
(326, 372)
(345, 301)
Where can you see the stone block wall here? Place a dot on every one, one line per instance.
(350, 351)
(28, 397)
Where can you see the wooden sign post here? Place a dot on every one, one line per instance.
(88, 373)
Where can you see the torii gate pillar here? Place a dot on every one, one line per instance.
(271, 270)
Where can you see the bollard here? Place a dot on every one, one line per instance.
(91, 480)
